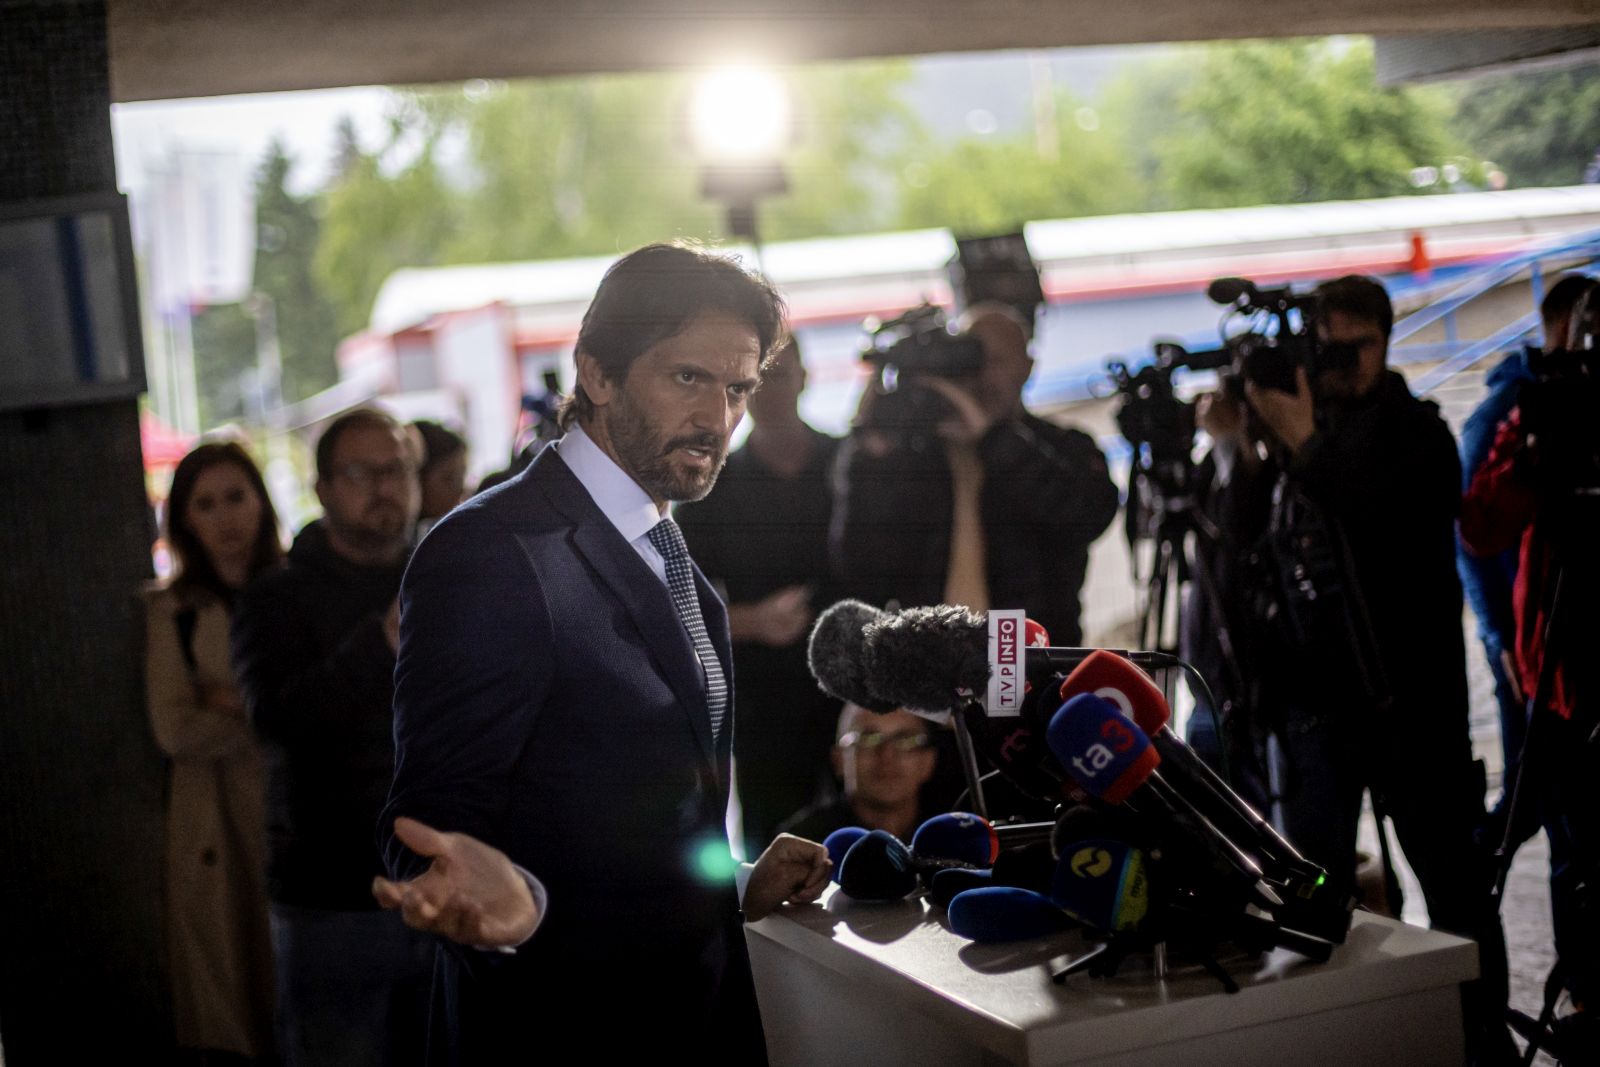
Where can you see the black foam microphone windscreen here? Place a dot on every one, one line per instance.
(836, 657)
(920, 657)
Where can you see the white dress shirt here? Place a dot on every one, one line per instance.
(627, 507)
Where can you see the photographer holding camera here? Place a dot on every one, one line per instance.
(1359, 637)
(1540, 488)
(949, 491)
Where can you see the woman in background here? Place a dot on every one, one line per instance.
(223, 531)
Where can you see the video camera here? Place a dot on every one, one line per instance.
(910, 349)
(1283, 336)
(1559, 405)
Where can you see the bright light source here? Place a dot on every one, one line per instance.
(740, 114)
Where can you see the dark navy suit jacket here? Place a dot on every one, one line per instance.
(548, 701)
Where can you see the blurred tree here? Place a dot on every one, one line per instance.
(1277, 122)
(287, 230)
(980, 185)
(853, 133)
(377, 222)
(1540, 127)
(545, 169)
(224, 339)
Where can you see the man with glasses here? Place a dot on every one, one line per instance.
(314, 649)
(882, 761)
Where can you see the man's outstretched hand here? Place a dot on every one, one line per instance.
(471, 893)
(791, 871)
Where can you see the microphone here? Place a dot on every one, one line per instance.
(953, 881)
(998, 914)
(877, 867)
(1112, 759)
(956, 836)
(1309, 903)
(838, 844)
(1028, 867)
(928, 658)
(1229, 290)
(1136, 695)
(834, 654)
(1103, 883)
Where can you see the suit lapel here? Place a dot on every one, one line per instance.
(633, 583)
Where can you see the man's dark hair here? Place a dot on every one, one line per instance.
(371, 417)
(653, 293)
(439, 443)
(1557, 305)
(1358, 296)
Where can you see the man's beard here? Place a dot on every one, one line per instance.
(647, 455)
(377, 537)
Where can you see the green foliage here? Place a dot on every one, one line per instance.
(224, 339)
(375, 224)
(853, 133)
(587, 166)
(1277, 122)
(995, 184)
(287, 232)
(1539, 127)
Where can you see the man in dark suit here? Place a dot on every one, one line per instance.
(562, 705)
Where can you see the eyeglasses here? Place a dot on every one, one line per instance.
(363, 476)
(905, 742)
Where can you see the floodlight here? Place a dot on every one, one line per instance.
(740, 114)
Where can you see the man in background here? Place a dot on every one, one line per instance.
(990, 507)
(314, 649)
(882, 762)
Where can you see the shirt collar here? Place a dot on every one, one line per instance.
(627, 506)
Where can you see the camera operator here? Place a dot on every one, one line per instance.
(966, 498)
(1364, 657)
(1232, 498)
(1540, 486)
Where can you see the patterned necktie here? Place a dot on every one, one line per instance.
(668, 540)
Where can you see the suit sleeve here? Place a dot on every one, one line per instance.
(474, 668)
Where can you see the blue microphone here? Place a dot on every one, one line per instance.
(877, 867)
(959, 836)
(838, 843)
(1103, 884)
(1002, 913)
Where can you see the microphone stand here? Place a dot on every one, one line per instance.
(968, 753)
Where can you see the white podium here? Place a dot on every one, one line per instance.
(848, 983)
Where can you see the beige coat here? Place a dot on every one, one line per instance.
(217, 931)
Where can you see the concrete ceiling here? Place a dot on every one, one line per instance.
(179, 48)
